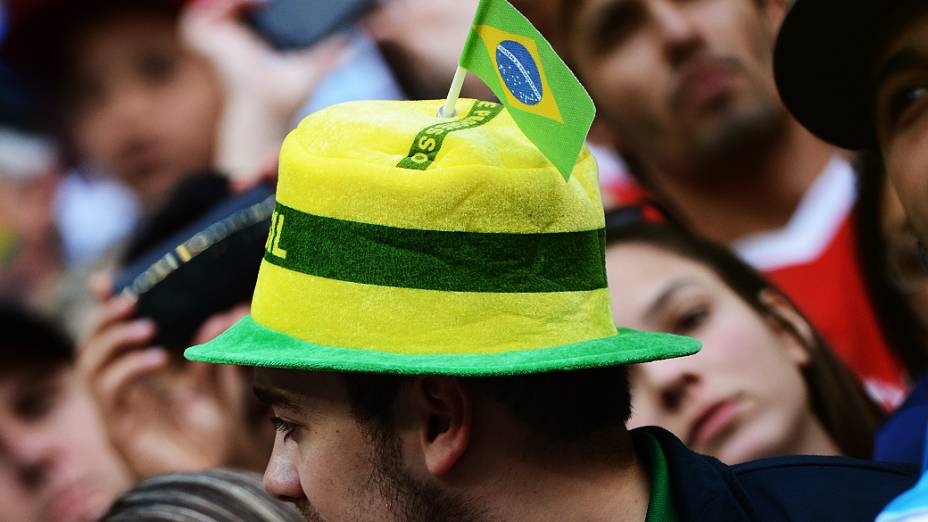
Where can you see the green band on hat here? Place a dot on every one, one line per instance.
(436, 260)
(429, 141)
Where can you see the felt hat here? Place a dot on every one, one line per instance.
(407, 243)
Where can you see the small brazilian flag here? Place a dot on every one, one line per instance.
(543, 96)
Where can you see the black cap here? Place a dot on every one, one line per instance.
(188, 264)
(821, 66)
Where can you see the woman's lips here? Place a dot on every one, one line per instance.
(711, 421)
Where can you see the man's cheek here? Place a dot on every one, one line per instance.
(907, 167)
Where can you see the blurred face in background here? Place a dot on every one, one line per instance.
(680, 81)
(901, 244)
(742, 396)
(140, 106)
(55, 462)
(900, 87)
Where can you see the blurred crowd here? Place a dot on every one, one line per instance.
(130, 127)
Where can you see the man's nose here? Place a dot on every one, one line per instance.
(129, 104)
(281, 478)
(680, 34)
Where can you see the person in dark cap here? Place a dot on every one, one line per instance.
(856, 75)
(56, 464)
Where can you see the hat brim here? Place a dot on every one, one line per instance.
(247, 343)
(821, 67)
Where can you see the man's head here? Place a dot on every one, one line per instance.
(55, 461)
(131, 101)
(684, 85)
(385, 447)
(899, 100)
(853, 73)
(437, 319)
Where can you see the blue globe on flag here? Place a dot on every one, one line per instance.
(519, 72)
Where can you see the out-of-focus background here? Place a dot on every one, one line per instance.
(128, 127)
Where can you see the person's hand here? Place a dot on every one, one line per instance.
(160, 417)
(263, 87)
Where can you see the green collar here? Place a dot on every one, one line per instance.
(660, 505)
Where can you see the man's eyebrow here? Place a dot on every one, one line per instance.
(899, 62)
(274, 398)
(654, 309)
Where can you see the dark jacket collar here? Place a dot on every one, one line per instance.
(703, 488)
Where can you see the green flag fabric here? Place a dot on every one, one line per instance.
(543, 96)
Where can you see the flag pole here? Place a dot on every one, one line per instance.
(448, 110)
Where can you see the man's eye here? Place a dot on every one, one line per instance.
(283, 426)
(902, 103)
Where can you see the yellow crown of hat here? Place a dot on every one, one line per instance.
(408, 243)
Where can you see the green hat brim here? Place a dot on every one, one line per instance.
(247, 343)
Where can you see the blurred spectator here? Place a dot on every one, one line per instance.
(130, 100)
(140, 100)
(886, 246)
(29, 247)
(219, 495)
(55, 462)
(868, 94)
(764, 384)
(163, 413)
(688, 94)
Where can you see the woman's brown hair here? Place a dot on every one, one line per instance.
(837, 396)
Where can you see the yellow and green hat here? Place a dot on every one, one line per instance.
(407, 243)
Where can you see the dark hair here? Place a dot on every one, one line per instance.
(904, 332)
(30, 339)
(219, 495)
(561, 407)
(836, 395)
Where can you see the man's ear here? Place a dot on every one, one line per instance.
(445, 432)
(790, 325)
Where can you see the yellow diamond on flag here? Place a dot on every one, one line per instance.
(519, 69)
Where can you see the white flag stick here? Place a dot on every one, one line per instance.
(447, 110)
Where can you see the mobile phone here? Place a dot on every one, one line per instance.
(296, 24)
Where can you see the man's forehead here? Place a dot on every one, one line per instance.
(280, 386)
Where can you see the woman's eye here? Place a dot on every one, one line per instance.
(690, 320)
(901, 103)
(283, 426)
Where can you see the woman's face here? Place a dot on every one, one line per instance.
(742, 396)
